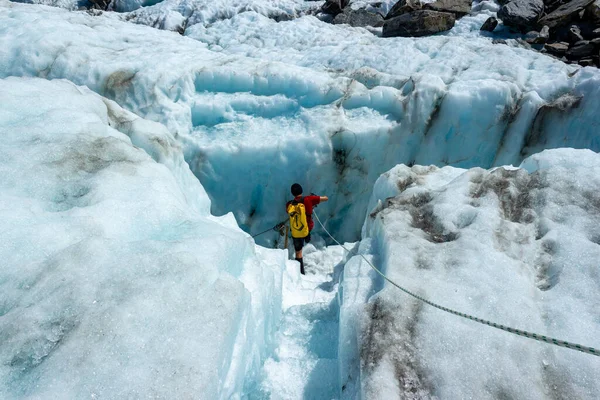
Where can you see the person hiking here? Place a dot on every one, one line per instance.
(300, 211)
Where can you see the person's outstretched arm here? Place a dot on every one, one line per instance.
(323, 198)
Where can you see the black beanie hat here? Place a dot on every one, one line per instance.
(296, 189)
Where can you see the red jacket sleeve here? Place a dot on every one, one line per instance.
(313, 200)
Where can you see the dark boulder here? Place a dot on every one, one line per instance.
(521, 14)
(587, 62)
(489, 25)
(592, 12)
(540, 37)
(459, 8)
(573, 32)
(551, 5)
(100, 4)
(557, 49)
(359, 17)
(418, 23)
(403, 7)
(565, 13)
(334, 7)
(581, 49)
(523, 44)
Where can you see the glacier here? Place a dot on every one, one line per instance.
(284, 97)
(518, 246)
(137, 162)
(111, 262)
(304, 363)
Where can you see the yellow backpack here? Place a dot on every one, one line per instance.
(298, 222)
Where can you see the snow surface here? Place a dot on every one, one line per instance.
(304, 363)
(329, 106)
(115, 280)
(127, 279)
(209, 11)
(519, 247)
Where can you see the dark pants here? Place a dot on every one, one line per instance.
(299, 242)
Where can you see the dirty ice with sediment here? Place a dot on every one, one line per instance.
(137, 162)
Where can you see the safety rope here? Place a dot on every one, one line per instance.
(275, 228)
(541, 338)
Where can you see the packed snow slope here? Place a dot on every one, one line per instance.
(329, 106)
(519, 247)
(304, 364)
(115, 281)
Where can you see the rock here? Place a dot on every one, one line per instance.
(551, 5)
(586, 62)
(558, 49)
(541, 37)
(522, 44)
(574, 34)
(359, 17)
(499, 41)
(403, 7)
(334, 7)
(587, 29)
(565, 13)
(595, 42)
(581, 49)
(521, 14)
(592, 12)
(100, 4)
(280, 17)
(596, 33)
(418, 23)
(489, 25)
(459, 8)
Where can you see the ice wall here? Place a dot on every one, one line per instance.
(518, 247)
(115, 280)
(205, 12)
(258, 104)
